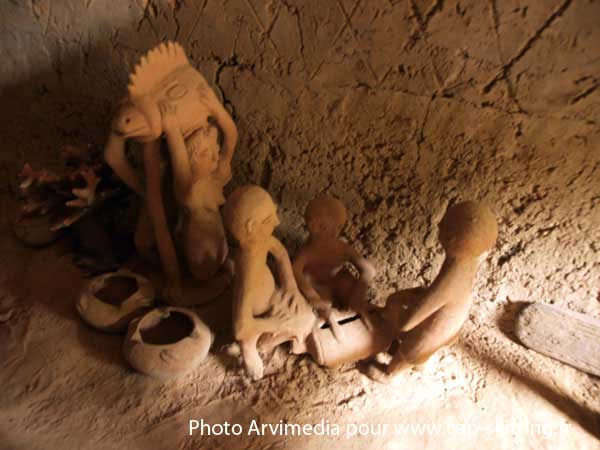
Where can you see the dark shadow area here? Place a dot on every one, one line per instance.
(167, 330)
(579, 414)
(117, 289)
(506, 321)
(105, 347)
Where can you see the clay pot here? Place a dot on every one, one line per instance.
(110, 301)
(35, 231)
(356, 343)
(167, 342)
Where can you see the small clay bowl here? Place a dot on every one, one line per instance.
(167, 342)
(110, 301)
(35, 231)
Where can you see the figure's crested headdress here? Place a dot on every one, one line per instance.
(154, 66)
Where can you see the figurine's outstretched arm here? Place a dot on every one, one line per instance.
(454, 282)
(284, 265)
(156, 210)
(306, 287)
(230, 134)
(179, 156)
(114, 155)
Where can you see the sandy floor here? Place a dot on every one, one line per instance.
(64, 385)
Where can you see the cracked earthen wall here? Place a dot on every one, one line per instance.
(396, 107)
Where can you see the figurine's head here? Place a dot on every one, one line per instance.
(468, 229)
(165, 74)
(203, 150)
(325, 217)
(131, 123)
(250, 214)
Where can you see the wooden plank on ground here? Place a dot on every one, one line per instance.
(564, 335)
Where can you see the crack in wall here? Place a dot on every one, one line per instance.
(527, 45)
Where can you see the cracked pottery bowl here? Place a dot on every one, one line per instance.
(167, 342)
(110, 301)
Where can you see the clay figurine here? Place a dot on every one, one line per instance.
(260, 306)
(167, 95)
(167, 342)
(319, 264)
(427, 319)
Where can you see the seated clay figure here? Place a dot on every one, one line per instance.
(260, 306)
(319, 264)
(427, 319)
(166, 94)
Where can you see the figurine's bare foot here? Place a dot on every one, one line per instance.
(383, 358)
(232, 350)
(252, 361)
(255, 370)
(375, 373)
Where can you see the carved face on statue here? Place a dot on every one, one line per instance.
(164, 74)
(325, 217)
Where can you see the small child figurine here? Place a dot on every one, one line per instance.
(259, 305)
(427, 319)
(319, 264)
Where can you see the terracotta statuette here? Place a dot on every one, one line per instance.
(319, 264)
(427, 319)
(260, 306)
(167, 95)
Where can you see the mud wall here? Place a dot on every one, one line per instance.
(396, 107)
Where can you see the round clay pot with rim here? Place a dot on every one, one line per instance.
(167, 342)
(110, 301)
(35, 231)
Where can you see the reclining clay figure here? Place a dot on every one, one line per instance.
(427, 319)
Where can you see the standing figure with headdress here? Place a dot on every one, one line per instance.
(168, 96)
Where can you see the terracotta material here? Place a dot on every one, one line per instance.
(356, 342)
(110, 301)
(260, 306)
(319, 263)
(167, 342)
(428, 319)
(167, 95)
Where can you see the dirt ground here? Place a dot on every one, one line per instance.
(396, 107)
